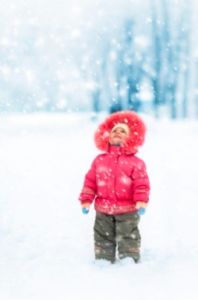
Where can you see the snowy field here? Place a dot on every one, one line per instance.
(46, 243)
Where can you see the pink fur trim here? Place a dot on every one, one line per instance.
(132, 142)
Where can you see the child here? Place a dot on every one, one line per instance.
(120, 186)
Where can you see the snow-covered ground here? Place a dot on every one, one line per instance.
(46, 243)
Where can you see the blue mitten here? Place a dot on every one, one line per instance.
(85, 211)
(141, 211)
(85, 208)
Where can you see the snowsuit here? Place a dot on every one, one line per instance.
(120, 229)
(116, 181)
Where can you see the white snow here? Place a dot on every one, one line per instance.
(46, 243)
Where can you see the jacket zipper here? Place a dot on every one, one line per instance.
(125, 181)
(98, 179)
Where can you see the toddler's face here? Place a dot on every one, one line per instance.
(118, 135)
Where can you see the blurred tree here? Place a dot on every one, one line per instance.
(185, 36)
(157, 53)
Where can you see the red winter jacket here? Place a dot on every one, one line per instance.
(117, 179)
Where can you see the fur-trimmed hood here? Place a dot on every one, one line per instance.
(132, 142)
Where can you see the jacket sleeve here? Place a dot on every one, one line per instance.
(141, 185)
(88, 192)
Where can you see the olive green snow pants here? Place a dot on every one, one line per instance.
(119, 230)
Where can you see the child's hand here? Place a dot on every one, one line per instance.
(141, 206)
(85, 208)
